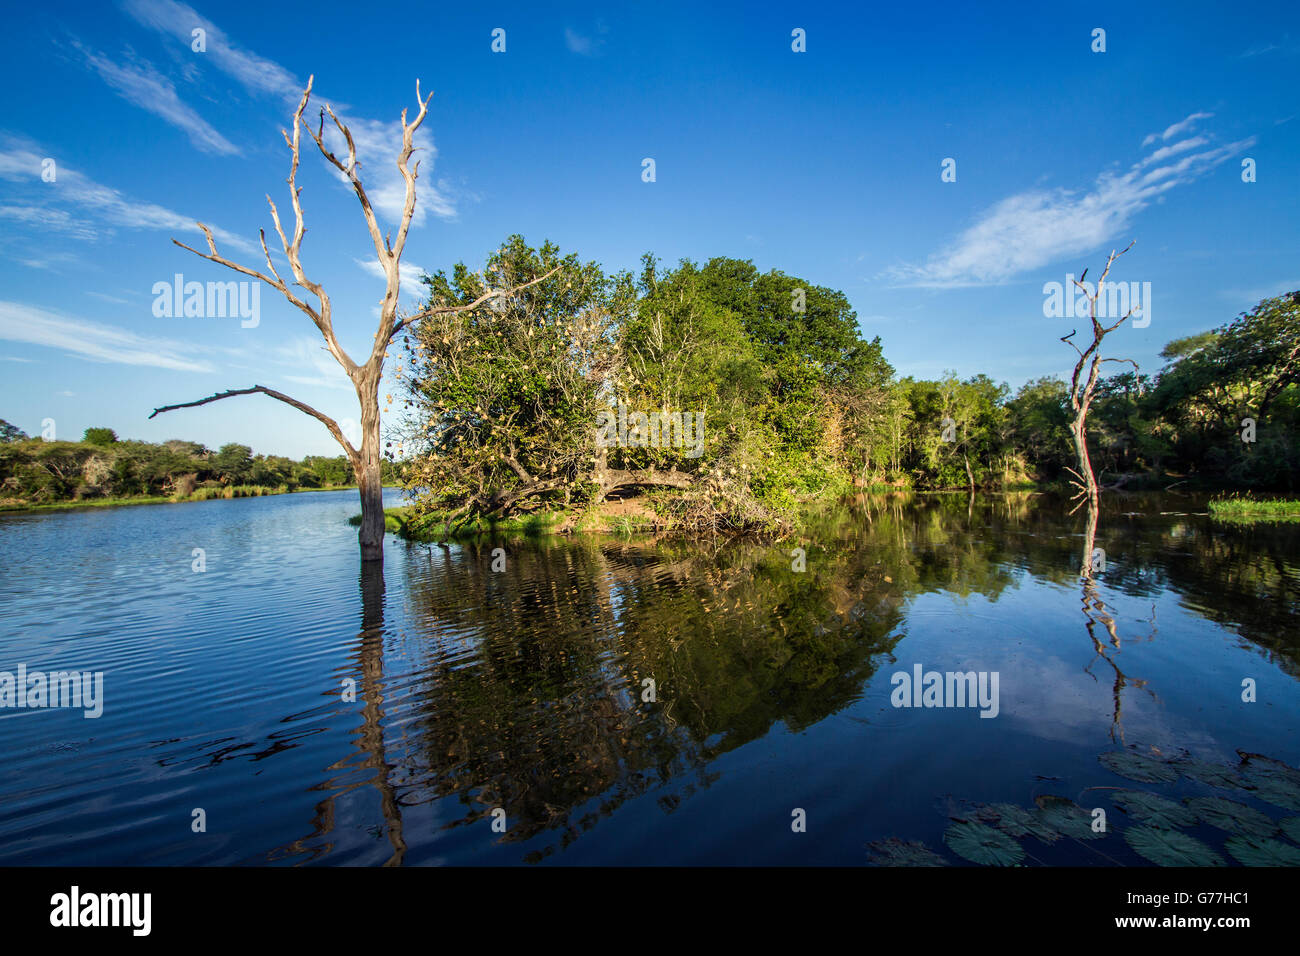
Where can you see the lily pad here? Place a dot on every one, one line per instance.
(1258, 767)
(983, 845)
(1279, 792)
(1171, 848)
(1232, 816)
(1291, 827)
(1273, 781)
(1016, 821)
(1153, 809)
(1138, 767)
(1261, 851)
(1066, 817)
(1215, 774)
(896, 852)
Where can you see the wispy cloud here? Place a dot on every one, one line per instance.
(1037, 227)
(410, 274)
(20, 162)
(306, 353)
(50, 261)
(1177, 129)
(585, 45)
(47, 218)
(378, 141)
(108, 298)
(178, 21)
(143, 86)
(1285, 45)
(34, 325)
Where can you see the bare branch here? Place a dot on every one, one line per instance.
(468, 307)
(279, 396)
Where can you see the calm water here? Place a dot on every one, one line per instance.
(522, 689)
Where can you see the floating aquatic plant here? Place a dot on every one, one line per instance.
(1016, 821)
(1137, 767)
(1213, 774)
(1066, 817)
(1153, 809)
(1231, 816)
(1171, 847)
(1272, 780)
(1261, 851)
(983, 845)
(895, 852)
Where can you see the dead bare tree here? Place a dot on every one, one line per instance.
(1081, 392)
(366, 376)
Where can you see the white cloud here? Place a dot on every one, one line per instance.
(306, 353)
(378, 141)
(89, 340)
(577, 43)
(1182, 146)
(108, 298)
(585, 45)
(1041, 226)
(178, 21)
(1179, 127)
(410, 277)
(48, 218)
(145, 87)
(20, 161)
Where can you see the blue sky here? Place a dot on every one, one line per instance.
(824, 164)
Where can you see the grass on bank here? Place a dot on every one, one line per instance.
(404, 521)
(1248, 511)
(200, 494)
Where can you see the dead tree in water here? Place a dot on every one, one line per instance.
(365, 377)
(1082, 390)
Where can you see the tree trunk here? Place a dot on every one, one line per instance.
(369, 475)
(1079, 432)
(371, 535)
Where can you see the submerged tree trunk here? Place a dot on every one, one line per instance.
(1079, 432)
(371, 536)
(370, 481)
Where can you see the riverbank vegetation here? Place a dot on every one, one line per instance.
(1247, 511)
(101, 469)
(729, 399)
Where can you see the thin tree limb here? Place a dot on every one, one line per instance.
(328, 422)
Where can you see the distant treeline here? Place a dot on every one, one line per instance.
(100, 466)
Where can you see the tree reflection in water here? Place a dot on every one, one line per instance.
(522, 689)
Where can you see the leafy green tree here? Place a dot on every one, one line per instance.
(99, 436)
(233, 462)
(10, 433)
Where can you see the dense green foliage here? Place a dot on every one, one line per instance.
(100, 466)
(506, 400)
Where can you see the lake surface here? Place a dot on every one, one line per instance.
(523, 689)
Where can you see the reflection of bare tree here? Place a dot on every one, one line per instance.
(370, 664)
(1096, 611)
